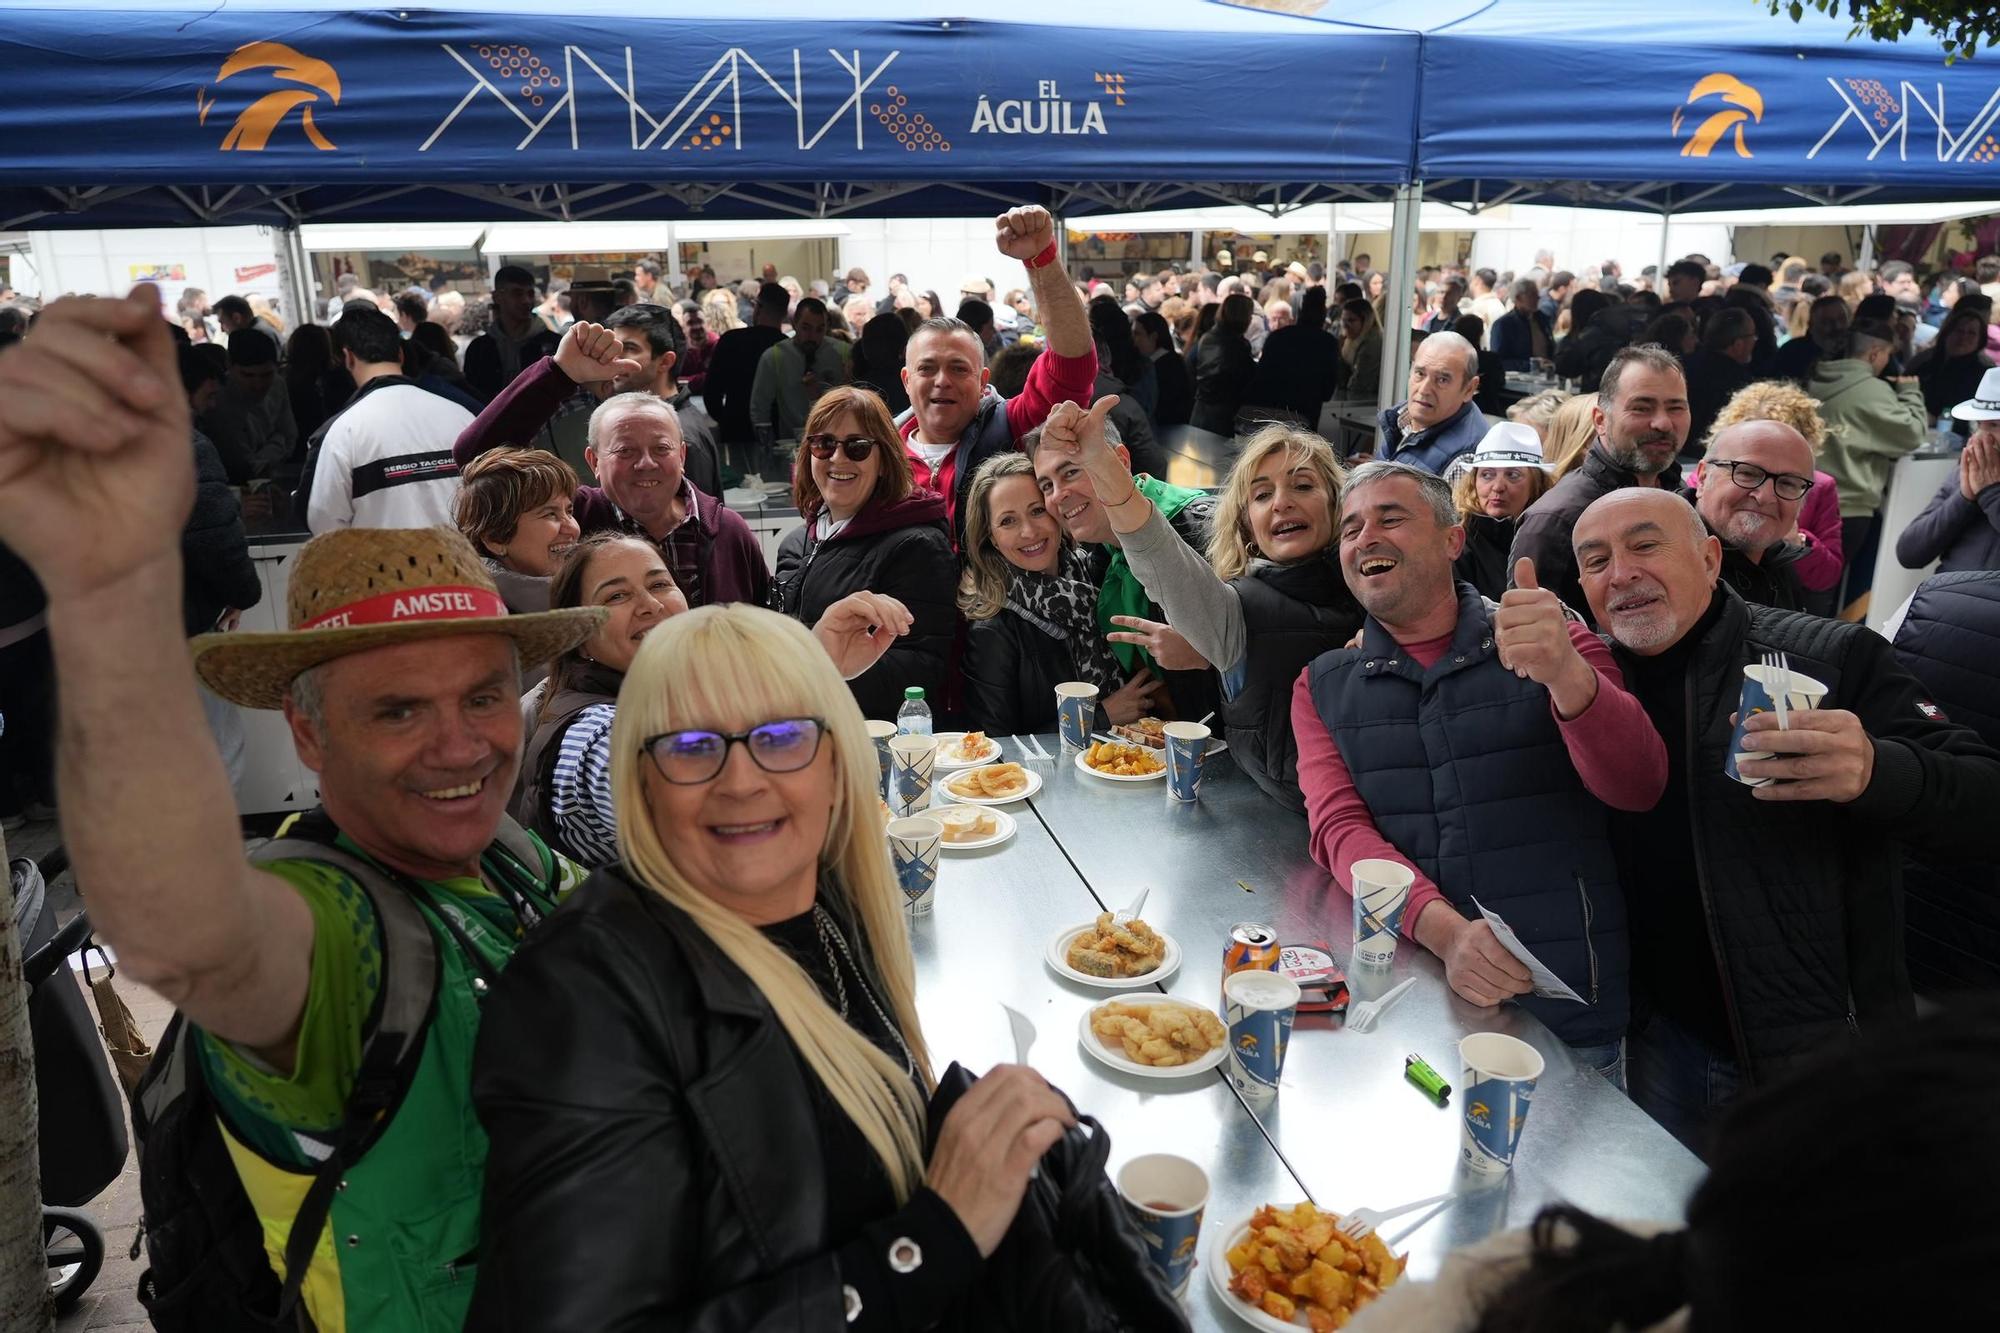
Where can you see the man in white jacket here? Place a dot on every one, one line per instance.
(383, 461)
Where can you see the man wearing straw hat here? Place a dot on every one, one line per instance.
(399, 675)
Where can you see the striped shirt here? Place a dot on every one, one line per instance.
(580, 788)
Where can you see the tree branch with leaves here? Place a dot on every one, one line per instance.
(1958, 28)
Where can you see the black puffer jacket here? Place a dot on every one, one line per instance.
(217, 573)
(1483, 562)
(659, 1163)
(1011, 670)
(1805, 898)
(902, 550)
(1291, 614)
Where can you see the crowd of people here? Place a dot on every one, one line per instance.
(528, 636)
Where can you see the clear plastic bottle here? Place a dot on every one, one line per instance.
(914, 717)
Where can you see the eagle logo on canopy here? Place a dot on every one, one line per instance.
(252, 130)
(1742, 103)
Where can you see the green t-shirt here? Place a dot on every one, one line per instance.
(268, 1109)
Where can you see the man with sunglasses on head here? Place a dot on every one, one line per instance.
(1748, 490)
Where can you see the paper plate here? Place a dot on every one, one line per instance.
(951, 792)
(994, 839)
(1117, 1059)
(944, 738)
(1120, 777)
(1218, 1279)
(1058, 952)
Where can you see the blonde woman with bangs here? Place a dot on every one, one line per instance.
(1270, 597)
(717, 1040)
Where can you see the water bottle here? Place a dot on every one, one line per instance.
(914, 717)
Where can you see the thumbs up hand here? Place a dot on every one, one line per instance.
(1531, 633)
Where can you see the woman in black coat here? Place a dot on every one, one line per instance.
(1494, 485)
(869, 528)
(1030, 607)
(1155, 341)
(1951, 367)
(1224, 367)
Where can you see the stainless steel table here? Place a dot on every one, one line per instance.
(1352, 1130)
(981, 945)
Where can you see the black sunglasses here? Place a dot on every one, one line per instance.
(856, 447)
(689, 758)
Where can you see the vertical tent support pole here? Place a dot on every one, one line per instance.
(1332, 260)
(1864, 259)
(1195, 256)
(1660, 277)
(1396, 305)
(294, 274)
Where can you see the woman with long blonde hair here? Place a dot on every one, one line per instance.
(1270, 596)
(1571, 432)
(718, 307)
(717, 1039)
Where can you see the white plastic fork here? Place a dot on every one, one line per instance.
(1361, 1017)
(1363, 1221)
(1024, 1033)
(1781, 697)
(1029, 756)
(1119, 918)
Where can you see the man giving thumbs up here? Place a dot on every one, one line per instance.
(1533, 634)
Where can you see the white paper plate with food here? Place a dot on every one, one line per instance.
(967, 828)
(1113, 958)
(1346, 1296)
(1193, 1040)
(991, 784)
(953, 752)
(1122, 763)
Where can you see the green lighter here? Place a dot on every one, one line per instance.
(1428, 1080)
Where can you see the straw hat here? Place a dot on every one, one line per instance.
(1505, 444)
(359, 588)
(1984, 405)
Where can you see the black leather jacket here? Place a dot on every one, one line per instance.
(654, 1159)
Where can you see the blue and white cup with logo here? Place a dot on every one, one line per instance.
(1761, 687)
(1381, 894)
(1187, 751)
(1165, 1196)
(1259, 1008)
(1495, 1091)
(913, 846)
(881, 733)
(1076, 708)
(911, 761)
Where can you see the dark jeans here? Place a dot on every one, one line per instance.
(1607, 1060)
(1858, 539)
(27, 724)
(1679, 1079)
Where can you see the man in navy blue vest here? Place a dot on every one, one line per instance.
(1479, 745)
(1767, 920)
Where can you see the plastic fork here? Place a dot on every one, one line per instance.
(1781, 697)
(1024, 1033)
(1119, 918)
(1363, 1221)
(1361, 1017)
(1029, 756)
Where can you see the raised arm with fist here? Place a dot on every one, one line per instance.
(96, 462)
(1531, 632)
(1024, 233)
(590, 353)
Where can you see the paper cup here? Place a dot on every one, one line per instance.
(1187, 749)
(1381, 892)
(881, 733)
(1259, 1007)
(1076, 707)
(913, 846)
(911, 759)
(1166, 1196)
(1497, 1085)
(1760, 692)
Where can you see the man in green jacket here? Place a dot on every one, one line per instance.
(1870, 423)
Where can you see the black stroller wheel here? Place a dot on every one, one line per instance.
(75, 1250)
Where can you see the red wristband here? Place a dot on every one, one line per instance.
(1045, 258)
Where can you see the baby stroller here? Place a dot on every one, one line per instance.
(83, 1141)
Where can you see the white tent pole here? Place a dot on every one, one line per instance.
(294, 274)
(1660, 275)
(1402, 278)
(1865, 259)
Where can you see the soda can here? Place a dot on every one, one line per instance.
(1250, 948)
(1259, 1008)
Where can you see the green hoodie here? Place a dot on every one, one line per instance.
(1870, 423)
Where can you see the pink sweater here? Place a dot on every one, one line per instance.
(1819, 568)
(1616, 751)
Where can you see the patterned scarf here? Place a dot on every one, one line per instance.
(1063, 605)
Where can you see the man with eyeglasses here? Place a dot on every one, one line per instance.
(1766, 913)
(1748, 490)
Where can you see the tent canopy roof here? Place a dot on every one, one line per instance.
(176, 111)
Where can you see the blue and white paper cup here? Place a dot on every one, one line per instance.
(1381, 894)
(1187, 751)
(1165, 1196)
(913, 846)
(1495, 1091)
(1076, 708)
(911, 760)
(1259, 1007)
(881, 733)
(1760, 692)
